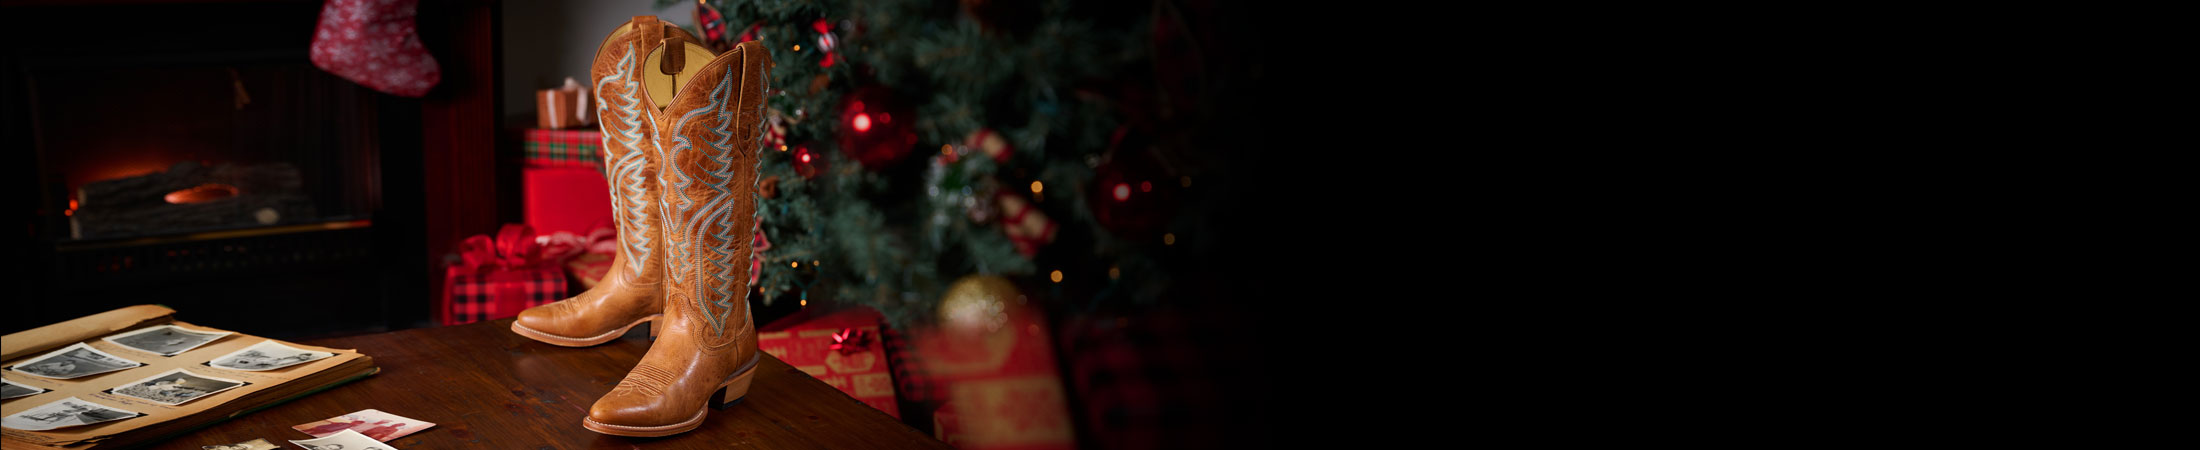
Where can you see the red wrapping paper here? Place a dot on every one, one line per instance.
(1001, 390)
(861, 372)
(499, 277)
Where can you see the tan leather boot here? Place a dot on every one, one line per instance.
(711, 122)
(632, 292)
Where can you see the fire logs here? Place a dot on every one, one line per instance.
(191, 197)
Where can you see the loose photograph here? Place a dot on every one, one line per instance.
(166, 340)
(267, 355)
(12, 389)
(344, 440)
(377, 425)
(255, 444)
(75, 361)
(64, 413)
(175, 387)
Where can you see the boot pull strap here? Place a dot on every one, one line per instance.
(675, 57)
(647, 30)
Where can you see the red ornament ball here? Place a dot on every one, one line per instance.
(807, 163)
(875, 128)
(1125, 196)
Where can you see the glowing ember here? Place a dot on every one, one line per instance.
(202, 193)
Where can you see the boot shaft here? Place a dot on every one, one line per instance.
(708, 154)
(629, 144)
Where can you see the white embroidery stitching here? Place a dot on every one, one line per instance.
(629, 165)
(716, 212)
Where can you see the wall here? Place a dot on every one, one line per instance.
(548, 40)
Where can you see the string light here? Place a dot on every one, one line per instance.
(1186, 180)
(947, 149)
(794, 264)
(782, 147)
(1057, 276)
(1168, 239)
(805, 302)
(1036, 187)
(815, 263)
(863, 122)
(798, 47)
(1145, 186)
(1115, 273)
(1122, 192)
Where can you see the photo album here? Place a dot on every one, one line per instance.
(136, 374)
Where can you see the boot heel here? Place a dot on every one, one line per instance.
(733, 391)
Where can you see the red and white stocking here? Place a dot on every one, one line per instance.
(374, 43)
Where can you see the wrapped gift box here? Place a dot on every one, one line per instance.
(562, 183)
(580, 148)
(858, 367)
(563, 107)
(589, 268)
(499, 277)
(997, 390)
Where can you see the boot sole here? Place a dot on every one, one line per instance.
(729, 393)
(563, 341)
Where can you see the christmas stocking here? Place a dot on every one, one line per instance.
(373, 43)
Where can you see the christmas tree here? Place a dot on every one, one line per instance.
(914, 143)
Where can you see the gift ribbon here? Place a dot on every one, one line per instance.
(580, 96)
(564, 245)
(580, 111)
(851, 340)
(514, 247)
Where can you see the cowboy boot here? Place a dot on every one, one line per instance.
(711, 127)
(631, 293)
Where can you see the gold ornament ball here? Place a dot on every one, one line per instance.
(979, 304)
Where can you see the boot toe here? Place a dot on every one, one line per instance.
(625, 408)
(542, 318)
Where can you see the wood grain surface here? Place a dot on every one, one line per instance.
(485, 387)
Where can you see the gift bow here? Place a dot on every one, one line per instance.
(564, 245)
(514, 247)
(851, 340)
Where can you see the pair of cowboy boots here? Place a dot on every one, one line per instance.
(681, 125)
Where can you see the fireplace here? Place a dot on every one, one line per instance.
(219, 144)
(189, 154)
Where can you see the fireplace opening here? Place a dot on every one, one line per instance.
(210, 147)
(211, 168)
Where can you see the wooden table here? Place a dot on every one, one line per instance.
(485, 387)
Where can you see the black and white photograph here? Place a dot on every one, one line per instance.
(255, 444)
(166, 340)
(64, 413)
(75, 361)
(11, 389)
(345, 440)
(266, 355)
(175, 387)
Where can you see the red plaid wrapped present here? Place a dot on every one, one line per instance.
(1163, 379)
(498, 278)
(582, 148)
